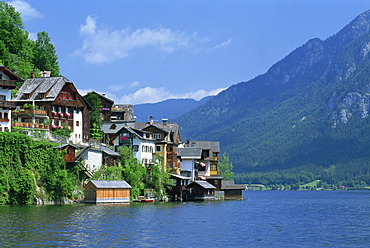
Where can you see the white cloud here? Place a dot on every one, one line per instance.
(116, 87)
(135, 84)
(101, 45)
(153, 95)
(221, 45)
(26, 10)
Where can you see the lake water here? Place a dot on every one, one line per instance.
(262, 219)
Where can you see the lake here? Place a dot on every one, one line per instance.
(262, 219)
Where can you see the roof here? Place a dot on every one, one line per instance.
(180, 177)
(170, 127)
(214, 146)
(11, 74)
(51, 86)
(110, 152)
(106, 128)
(103, 96)
(189, 153)
(65, 145)
(203, 184)
(229, 184)
(103, 184)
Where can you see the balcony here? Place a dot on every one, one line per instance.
(29, 112)
(30, 125)
(7, 104)
(10, 84)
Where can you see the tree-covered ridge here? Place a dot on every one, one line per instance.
(31, 168)
(18, 52)
(308, 110)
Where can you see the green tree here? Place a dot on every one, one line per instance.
(158, 179)
(225, 167)
(95, 115)
(133, 172)
(45, 57)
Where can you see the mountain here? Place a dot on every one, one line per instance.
(168, 109)
(307, 113)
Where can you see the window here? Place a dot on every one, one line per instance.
(157, 136)
(135, 148)
(27, 96)
(158, 148)
(42, 95)
(213, 166)
(77, 123)
(2, 97)
(113, 126)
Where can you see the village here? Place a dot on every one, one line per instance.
(45, 104)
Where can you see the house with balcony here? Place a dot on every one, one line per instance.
(8, 82)
(141, 142)
(50, 103)
(167, 136)
(106, 106)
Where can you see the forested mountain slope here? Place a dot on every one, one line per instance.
(308, 111)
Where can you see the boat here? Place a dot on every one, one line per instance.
(147, 200)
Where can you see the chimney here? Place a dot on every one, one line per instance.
(151, 120)
(165, 121)
(32, 74)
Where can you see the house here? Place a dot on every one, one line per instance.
(95, 157)
(232, 191)
(167, 136)
(70, 152)
(122, 112)
(100, 191)
(200, 190)
(8, 82)
(209, 157)
(141, 142)
(178, 191)
(50, 103)
(106, 104)
(189, 158)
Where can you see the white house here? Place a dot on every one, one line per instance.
(8, 81)
(141, 142)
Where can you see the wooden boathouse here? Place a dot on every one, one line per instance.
(107, 192)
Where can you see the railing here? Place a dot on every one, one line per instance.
(29, 112)
(7, 104)
(30, 125)
(8, 83)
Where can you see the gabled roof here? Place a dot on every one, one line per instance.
(110, 152)
(205, 145)
(120, 127)
(189, 153)
(103, 184)
(11, 74)
(203, 184)
(43, 85)
(103, 96)
(171, 128)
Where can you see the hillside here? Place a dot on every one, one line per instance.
(307, 112)
(170, 109)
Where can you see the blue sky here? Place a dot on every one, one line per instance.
(148, 51)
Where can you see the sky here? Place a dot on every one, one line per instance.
(149, 51)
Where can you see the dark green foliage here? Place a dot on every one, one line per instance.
(45, 55)
(225, 167)
(95, 115)
(20, 54)
(26, 165)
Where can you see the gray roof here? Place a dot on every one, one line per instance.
(189, 153)
(180, 177)
(203, 184)
(110, 152)
(50, 85)
(111, 184)
(206, 145)
(229, 184)
(171, 128)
